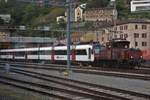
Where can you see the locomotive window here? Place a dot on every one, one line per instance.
(96, 50)
(60, 52)
(81, 52)
(121, 45)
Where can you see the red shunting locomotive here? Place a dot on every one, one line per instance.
(117, 54)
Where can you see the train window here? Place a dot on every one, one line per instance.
(10, 53)
(19, 53)
(81, 52)
(33, 53)
(3, 53)
(45, 52)
(6, 53)
(60, 52)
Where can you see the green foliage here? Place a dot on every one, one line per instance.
(96, 3)
(140, 15)
(29, 14)
(3, 6)
(48, 18)
(124, 12)
(122, 9)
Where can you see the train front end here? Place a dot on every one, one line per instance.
(134, 57)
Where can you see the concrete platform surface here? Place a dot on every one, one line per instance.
(136, 85)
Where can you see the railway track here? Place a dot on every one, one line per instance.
(53, 91)
(81, 89)
(142, 74)
(139, 70)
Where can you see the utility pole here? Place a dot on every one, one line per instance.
(67, 4)
(68, 35)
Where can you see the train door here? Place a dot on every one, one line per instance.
(53, 55)
(89, 53)
(13, 56)
(73, 54)
(25, 56)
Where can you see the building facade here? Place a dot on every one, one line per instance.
(61, 18)
(5, 17)
(95, 14)
(79, 11)
(100, 14)
(79, 14)
(140, 5)
(138, 33)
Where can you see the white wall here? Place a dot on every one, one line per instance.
(140, 5)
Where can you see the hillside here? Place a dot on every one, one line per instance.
(29, 14)
(32, 15)
(124, 12)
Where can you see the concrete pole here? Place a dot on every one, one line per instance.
(68, 35)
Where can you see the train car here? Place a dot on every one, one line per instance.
(56, 54)
(116, 53)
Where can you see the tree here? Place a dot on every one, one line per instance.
(30, 12)
(97, 3)
(122, 10)
(62, 23)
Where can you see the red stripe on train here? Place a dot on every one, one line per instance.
(73, 55)
(53, 55)
(146, 54)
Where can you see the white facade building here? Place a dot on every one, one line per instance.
(61, 18)
(5, 17)
(140, 5)
(79, 12)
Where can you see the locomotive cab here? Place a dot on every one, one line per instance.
(118, 43)
(126, 55)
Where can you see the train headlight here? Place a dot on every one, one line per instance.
(141, 56)
(131, 57)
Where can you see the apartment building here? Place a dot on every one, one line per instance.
(140, 5)
(138, 33)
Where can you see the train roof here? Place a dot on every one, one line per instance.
(47, 48)
(119, 40)
(19, 50)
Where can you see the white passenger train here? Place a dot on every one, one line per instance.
(115, 53)
(79, 53)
